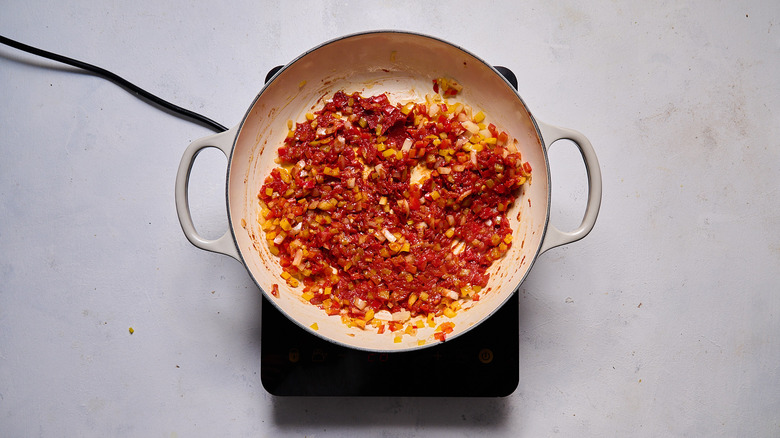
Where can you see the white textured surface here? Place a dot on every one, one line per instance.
(663, 322)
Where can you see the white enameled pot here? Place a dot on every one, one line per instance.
(403, 65)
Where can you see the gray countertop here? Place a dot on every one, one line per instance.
(664, 321)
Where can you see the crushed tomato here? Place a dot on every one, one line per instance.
(350, 218)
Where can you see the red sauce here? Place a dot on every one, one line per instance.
(346, 220)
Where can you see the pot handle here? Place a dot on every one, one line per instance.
(555, 237)
(224, 244)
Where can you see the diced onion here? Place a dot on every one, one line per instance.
(464, 195)
(402, 315)
(451, 294)
(407, 146)
(360, 303)
(383, 315)
(470, 126)
(388, 235)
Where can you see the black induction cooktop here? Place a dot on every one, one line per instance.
(483, 362)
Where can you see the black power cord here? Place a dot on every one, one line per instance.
(134, 89)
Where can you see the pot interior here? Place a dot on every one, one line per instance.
(402, 65)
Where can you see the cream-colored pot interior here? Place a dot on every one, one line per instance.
(402, 65)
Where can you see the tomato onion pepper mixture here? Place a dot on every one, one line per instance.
(390, 214)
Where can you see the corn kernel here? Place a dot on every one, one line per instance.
(285, 224)
(269, 191)
(435, 195)
(421, 342)
(315, 326)
(327, 290)
(397, 339)
(449, 233)
(479, 117)
(508, 239)
(309, 116)
(286, 275)
(449, 313)
(308, 295)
